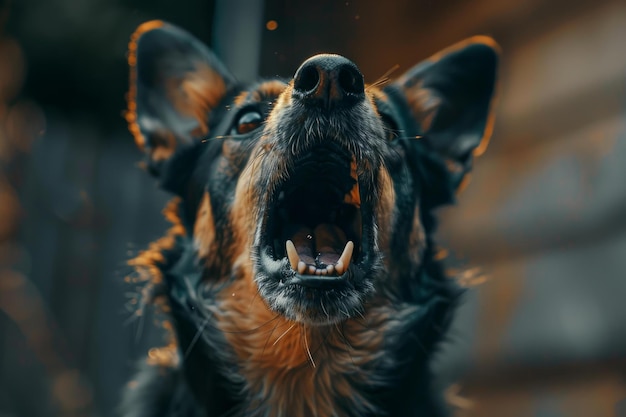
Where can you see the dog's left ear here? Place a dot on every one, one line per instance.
(175, 83)
(450, 99)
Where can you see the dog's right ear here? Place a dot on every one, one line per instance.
(175, 82)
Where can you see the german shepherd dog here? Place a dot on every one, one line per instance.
(300, 277)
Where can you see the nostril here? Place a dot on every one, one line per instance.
(350, 80)
(307, 78)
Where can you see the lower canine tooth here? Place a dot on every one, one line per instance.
(292, 254)
(344, 260)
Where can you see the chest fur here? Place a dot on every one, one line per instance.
(288, 368)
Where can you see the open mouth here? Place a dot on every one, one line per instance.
(314, 227)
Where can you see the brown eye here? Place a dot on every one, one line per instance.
(247, 122)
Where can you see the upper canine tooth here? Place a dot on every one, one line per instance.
(292, 254)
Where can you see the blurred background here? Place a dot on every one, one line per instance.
(542, 226)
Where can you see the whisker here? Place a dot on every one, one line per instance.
(360, 312)
(384, 79)
(345, 342)
(196, 337)
(324, 309)
(269, 336)
(207, 315)
(284, 333)
(362, 322)
(416, 137)
(254, 298)
(254, 329)
(140, 326)
(253, 166)
(306, 344)
(131, 319)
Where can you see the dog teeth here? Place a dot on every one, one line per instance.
(303, 269)
(292, 254)
(344, 260)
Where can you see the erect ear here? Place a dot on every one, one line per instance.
(450, 97)
(175, 82)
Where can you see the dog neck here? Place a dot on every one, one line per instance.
(290, 368)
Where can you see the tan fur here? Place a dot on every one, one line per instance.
(302, 369)
(148, 274)
(199, 93)
(242, 222)
(423, 103)
(164, 356)
(354, 197)
(204, 229)
(272, 88)
(266, 90)
(194, 96)
(241, 218)
(417, 238)
(283, 100)
(131, 113)
(385, 215)
(146, 263)
(374, 93)
(163, 147)
(241, 98)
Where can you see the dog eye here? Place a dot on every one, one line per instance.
(391, 127)
(247, 122)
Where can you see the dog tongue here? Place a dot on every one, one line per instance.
(318, 251)
(323, 244)
(329, 242)
(303, 241)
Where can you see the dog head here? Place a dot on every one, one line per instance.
(317, 191)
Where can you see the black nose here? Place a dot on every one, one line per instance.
(328, 81)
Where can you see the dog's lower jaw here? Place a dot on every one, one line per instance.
(317, 306)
